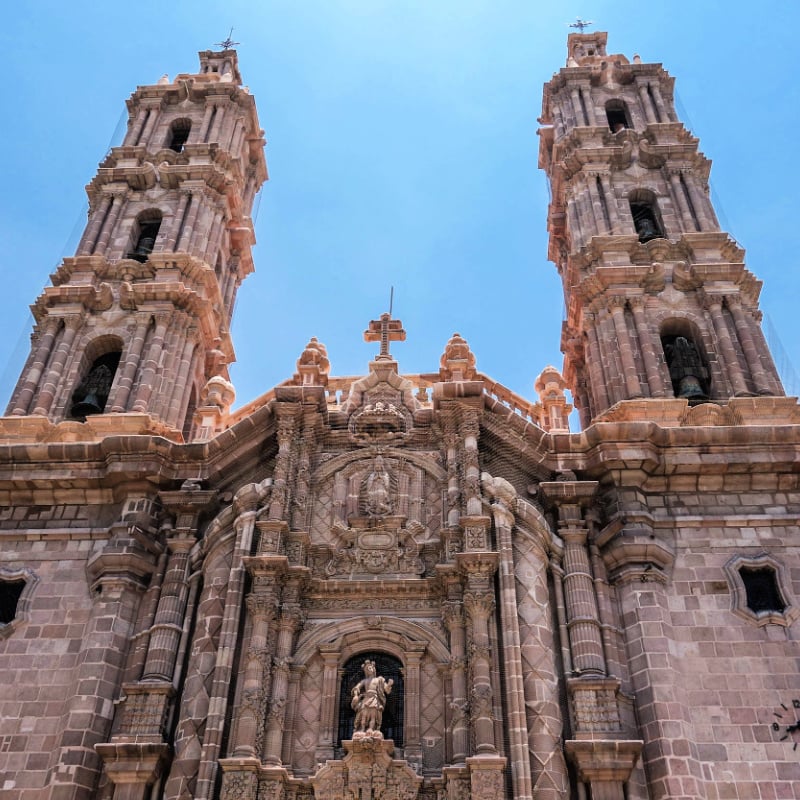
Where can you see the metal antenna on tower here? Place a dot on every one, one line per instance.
(227, 43)
(580, 24)
(391, 299)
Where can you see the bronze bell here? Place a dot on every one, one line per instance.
(87, 406)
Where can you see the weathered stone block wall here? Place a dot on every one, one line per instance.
(37, 660)
(708, 680)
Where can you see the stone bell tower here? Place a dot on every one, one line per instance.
(659, 301)
(137, 321)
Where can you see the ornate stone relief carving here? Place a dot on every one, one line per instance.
(367, 773)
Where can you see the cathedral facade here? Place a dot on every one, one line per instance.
(394, 586)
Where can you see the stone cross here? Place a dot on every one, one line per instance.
(385, 330)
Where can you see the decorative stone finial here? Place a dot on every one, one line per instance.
(218, 392)
(458, 361)
(553, 405)
(313, 365)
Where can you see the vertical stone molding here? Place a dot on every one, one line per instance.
(743, 323)
(469, 431)
(646, 346)
(479, 603)
(286, 416)
(291, 617)
(148, 371)
(261, 606)
(52, 382)
(714, 305)
(453, 615)
(504, 499)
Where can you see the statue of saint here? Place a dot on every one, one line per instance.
(378, 500)
(369, 700)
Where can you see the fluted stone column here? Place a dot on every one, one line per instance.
(616, 306)
(54, 377)
(654, 381)
(743, 322)
(37, 365)
(714, 305)
(130, 365)
(583, 617)
(595, 365)
(148, 373)
(647, 106)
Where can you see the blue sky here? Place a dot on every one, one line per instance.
(402, 151)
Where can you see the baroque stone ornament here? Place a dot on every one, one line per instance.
(367, 772)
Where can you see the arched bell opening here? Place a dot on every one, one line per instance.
(352, 674)
(686, 361)
(179, 134)
(646, 215)
(144, 235)
(618, 116)
(91, 394)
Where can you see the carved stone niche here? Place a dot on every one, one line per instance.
(367, 772)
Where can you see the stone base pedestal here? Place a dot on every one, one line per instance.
(368, 772)
(604, 764)
(487, 777)
(133, 766)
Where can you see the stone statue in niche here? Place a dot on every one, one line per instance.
(686, 369)
(368, 701)
(379, 502)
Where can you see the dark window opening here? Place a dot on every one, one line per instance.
(146, 239)
(761, 587)
(92, 393)
(687, 368)
(386, 666)
(617, 116)
(179, 135)
(10, 592)
(188, 420)
(646, 222)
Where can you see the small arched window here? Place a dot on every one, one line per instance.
(688, 369)
(617, 115)
(92, 392)
(179, 134)
(646, 217)
(145, 234)
(387, 667)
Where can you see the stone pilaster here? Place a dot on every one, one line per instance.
(290, 618)
(479, 603)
